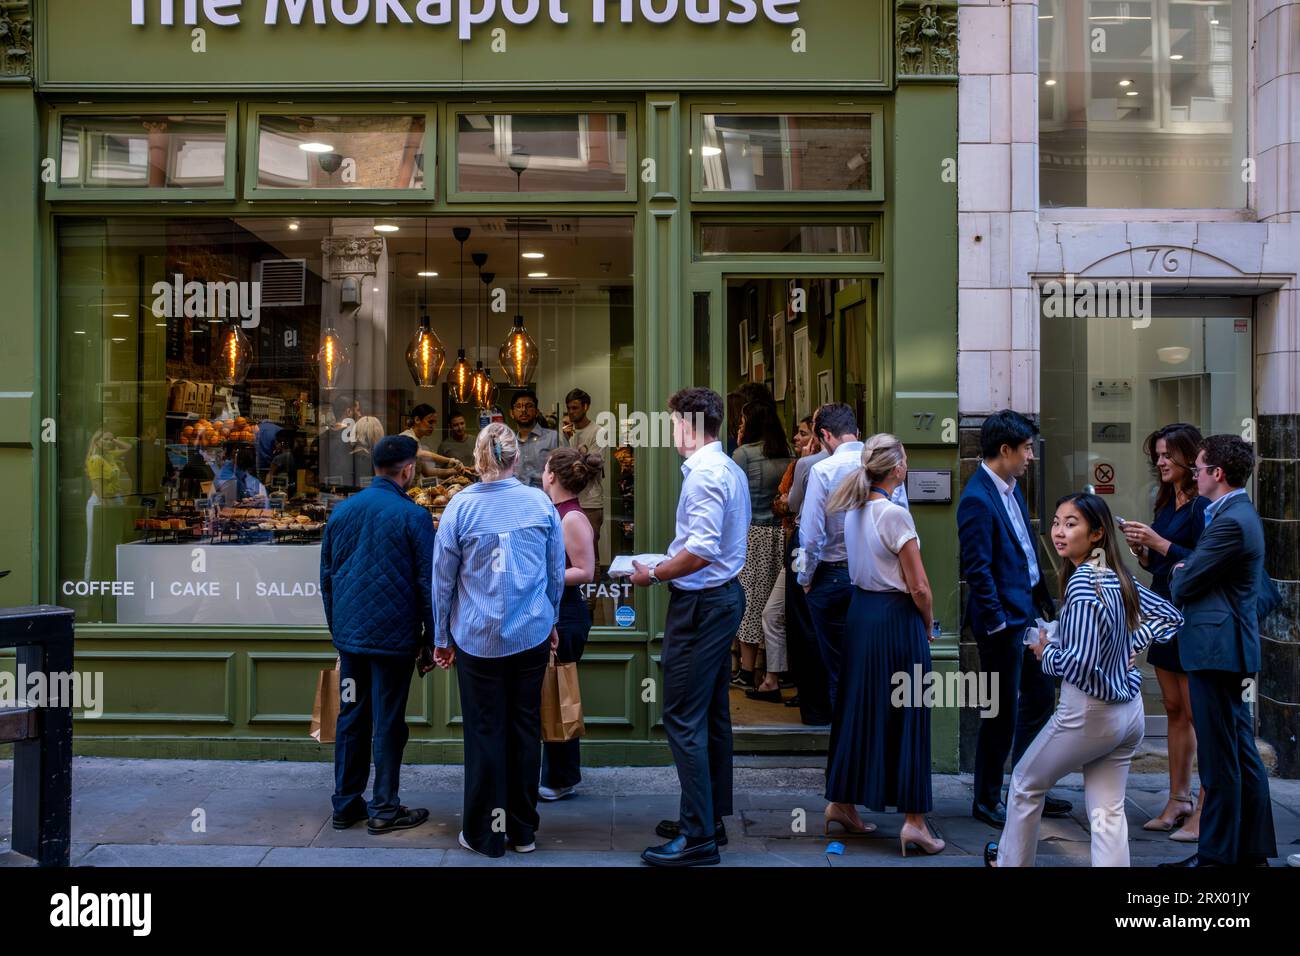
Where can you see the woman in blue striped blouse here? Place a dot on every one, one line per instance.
(498, 574)
(1106, 619)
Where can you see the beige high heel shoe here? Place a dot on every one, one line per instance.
(839, 816)
(919, 837)
(1161, 825)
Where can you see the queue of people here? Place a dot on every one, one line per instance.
(839, 571)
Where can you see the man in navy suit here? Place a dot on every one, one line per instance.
(1000, 566)
(1223, 592)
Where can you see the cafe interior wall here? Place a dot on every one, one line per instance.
(246, 692)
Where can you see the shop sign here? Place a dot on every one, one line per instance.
(467, 14)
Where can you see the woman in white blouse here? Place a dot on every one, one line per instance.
(880, 740)
(1106, 619)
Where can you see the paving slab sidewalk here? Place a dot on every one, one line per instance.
(274, 813)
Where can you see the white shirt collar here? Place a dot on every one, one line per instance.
(1004, 489)
(849, 448)
(697, 457)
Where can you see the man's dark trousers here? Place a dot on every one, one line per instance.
(1026, 699)
(697, 708)
(829, 603)
(1237, 822)
(806, 664)
(372, 715)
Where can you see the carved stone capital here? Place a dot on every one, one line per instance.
(925, 40)
(15, 38)
(352, 255)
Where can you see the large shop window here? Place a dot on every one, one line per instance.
(341, 154)
(1142, 103)
(517, 154)
(785, 156)
(222, 381)
(126, 156)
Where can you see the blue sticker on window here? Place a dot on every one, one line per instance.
(625, 615)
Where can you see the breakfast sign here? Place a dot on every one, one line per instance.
(430, 45)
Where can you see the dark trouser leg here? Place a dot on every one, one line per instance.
(697, 641)
(352, 735)
(391, 686)
(483, 705)
(524, 674)
(726, 618)
(806, 665)
(828, 601)
(1000, 654)
(562, 762)
(1258, 840)
(1037, 701)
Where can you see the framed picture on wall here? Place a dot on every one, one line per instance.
(825, 387)
(757, 368)
(744, 347)
(778, 357)
(802, 385)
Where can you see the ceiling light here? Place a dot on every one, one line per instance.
(78, 332)
(710, 151)
(161, 325)
(538, 275)
(1125, 82)
(119, 340)
(1049, 82)
(316, 147)
(120, 315)
(427, 275)
(1175, 56)
(1214, 23)
(385, 227)
(534, 255)
(1131, 93)
(293, 227)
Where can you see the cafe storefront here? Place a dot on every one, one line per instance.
(248, 238)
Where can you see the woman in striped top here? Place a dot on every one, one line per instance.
(1106, 619)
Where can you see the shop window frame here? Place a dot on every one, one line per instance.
(876, 131)
(871, 222)
(56, 191)
(252, 152)
(455, 194)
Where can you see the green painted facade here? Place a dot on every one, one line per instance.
(246, 692)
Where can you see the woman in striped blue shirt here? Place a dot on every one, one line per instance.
(498, 574)
(1106, 619)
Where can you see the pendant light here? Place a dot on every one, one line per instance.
(483, 388)
(461, 374)
(518, 353)
(235, 356)
(425, 356)
(332, 357)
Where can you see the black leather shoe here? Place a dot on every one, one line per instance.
(677, 853)
(1052, 807)
(406, 819)
(815, 720)
(671, 829)
(351, 819)
(792, 701)
(993, 816)
(990, 853)
(772, 696)
(1193, 860)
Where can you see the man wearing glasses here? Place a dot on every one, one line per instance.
(535, 440)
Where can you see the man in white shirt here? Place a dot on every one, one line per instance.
(705, 608)
(582, 433)
(1000, 567)
(822, 562)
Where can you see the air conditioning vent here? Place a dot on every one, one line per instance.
(284, 282)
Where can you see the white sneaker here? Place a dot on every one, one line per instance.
(1293, 859)
(524, 848)
(546, 793)
(465, 843)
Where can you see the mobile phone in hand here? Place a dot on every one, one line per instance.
(424, 660)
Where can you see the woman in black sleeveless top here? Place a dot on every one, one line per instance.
(567, 472)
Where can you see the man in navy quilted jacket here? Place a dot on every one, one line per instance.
(376, 581)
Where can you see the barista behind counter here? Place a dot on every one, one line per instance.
(423, 420)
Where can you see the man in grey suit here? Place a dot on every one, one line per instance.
(1223, 592)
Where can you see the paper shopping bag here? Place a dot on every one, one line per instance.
(561, 703)
(325, 711)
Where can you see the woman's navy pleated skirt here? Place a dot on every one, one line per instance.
(880, 753)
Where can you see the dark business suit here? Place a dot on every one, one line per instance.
(996, 571)
(1222, 590)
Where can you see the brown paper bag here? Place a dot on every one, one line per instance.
(325, 711)
(561, 703)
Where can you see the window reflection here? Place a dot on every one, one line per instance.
(175, 152)
(350, 151)
(541, 152)
(785, 152)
